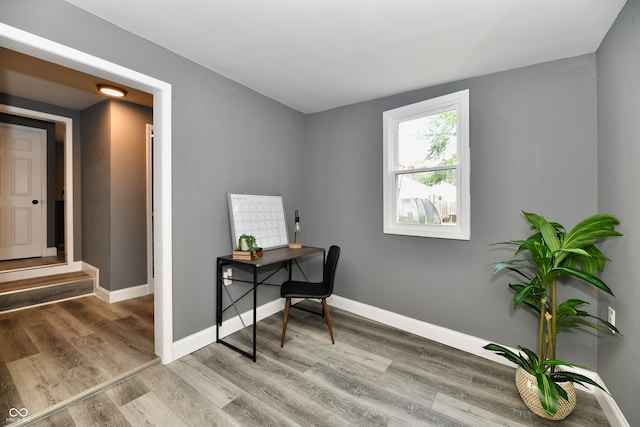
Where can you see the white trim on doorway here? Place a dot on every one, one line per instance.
(31, 44)
(68, 172)
(149, 202)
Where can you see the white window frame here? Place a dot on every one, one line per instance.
(391, 119)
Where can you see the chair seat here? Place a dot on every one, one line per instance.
(314, 290)
(295, 289)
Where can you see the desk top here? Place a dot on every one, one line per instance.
(274, 256)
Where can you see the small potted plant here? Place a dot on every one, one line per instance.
(544, 382)
(247, 242)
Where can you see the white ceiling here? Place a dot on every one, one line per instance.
(316, 55)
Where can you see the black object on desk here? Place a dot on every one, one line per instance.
(275, 258)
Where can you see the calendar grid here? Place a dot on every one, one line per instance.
(261, 216)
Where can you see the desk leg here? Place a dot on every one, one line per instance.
(255, 304)
(219, 285)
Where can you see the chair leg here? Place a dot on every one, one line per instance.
(287, 306)
(325, 310)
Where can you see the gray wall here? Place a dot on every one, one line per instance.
(128, 194)
(533, 148)
(95, 190)
(618, 154)
(114, 192)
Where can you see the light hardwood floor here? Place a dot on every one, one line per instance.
(373, 376)
(52, 353)
(19, 264)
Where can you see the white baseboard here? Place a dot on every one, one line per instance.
(122, 294)
(119, 294)
(51, 251)
(455, 339)
(188, 345)
(464, 342)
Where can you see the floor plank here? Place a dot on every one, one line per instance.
(210, 384)
(148, 410)
(468, 414)
(9, 396)
(189, 407)
(14, 341)
(98, 411)
(64, 322)
(25, 263)
(37, 382)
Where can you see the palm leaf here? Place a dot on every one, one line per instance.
(587, 278)
(508, 265)
(564, 376)
(534, 219)
(547, 393)
(532, 300)
(517, 359)
(591, 264)
(531, 356)
(522, 295)
(574, 323)
(557, 362)
(577, 251)
(574, 320)
(587, 231)
(549, 236)
(570, 308)
(561, 392)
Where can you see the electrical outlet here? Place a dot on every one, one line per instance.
(611, 317)
(227, 277)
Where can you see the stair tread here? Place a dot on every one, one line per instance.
(23, 284)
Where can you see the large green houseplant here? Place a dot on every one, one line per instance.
(540, 261)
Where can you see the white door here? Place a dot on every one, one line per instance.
(21, 195)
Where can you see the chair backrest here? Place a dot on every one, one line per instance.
(330, 265)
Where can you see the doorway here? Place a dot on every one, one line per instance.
(55, 257)
(23, 196)
(39, 47)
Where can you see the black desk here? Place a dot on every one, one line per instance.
(275, 258)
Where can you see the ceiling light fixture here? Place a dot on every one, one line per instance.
(112, 91)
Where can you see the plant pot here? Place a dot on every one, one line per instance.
(527, 386)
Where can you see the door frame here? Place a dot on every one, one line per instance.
(48, 50)
(149, 201)
(68, 174)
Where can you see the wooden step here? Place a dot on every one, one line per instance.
(29, 292)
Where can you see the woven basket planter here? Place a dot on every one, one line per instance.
(527, 386)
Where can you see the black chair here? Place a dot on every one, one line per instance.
(309, 290)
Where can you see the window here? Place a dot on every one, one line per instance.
(426, 168)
